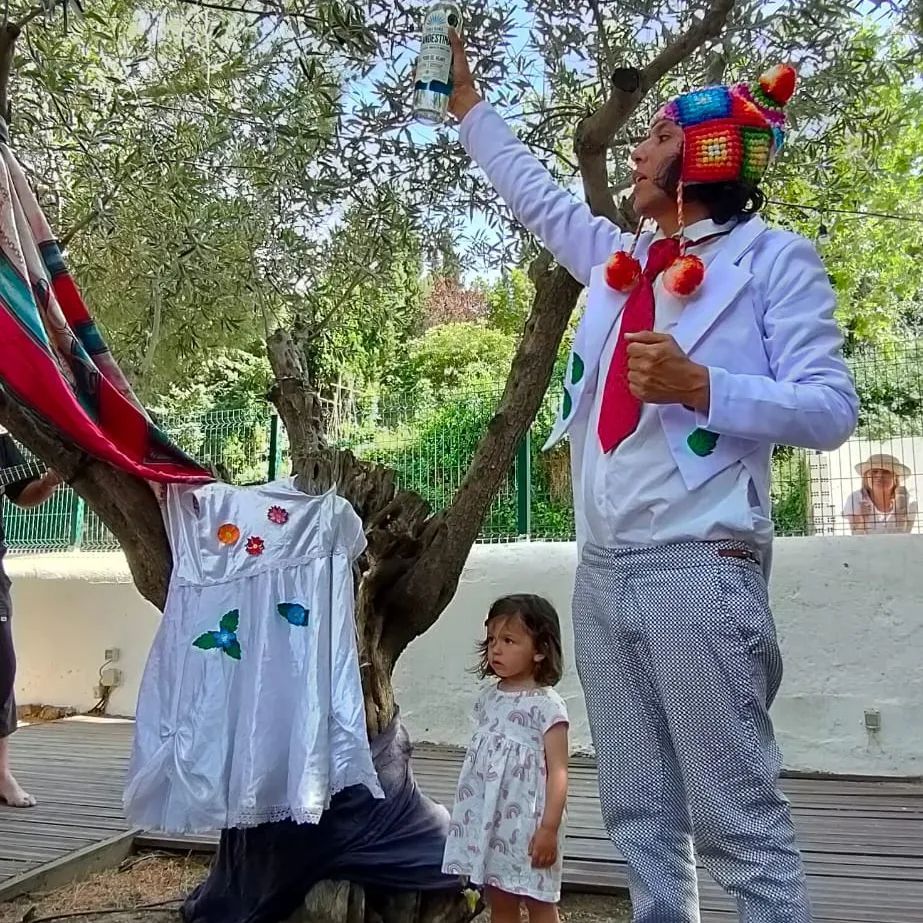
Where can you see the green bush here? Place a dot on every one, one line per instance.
(791, 491)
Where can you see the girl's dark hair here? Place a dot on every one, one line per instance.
(724, 201)
(542, 623)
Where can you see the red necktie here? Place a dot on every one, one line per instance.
(621, 410)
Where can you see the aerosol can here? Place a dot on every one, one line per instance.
(433, 80)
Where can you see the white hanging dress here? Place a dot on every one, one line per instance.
(250, 708)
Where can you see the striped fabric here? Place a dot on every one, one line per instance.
(53, 358)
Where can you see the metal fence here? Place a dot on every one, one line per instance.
(429, 442)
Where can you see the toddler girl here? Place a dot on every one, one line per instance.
(506, 830)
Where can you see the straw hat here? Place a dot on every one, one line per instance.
(884, 463)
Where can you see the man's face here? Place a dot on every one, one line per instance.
(656, 161)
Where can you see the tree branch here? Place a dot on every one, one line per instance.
(595, 134)
(251, 10)
(125, 504)
(8, 35)
(629, 86)
(530, 374)
(85, 220)
(709, 27)
(717, 65)
(608, 60)
(34, 13)
(298, 404)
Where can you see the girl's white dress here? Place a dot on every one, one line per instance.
(501, 794)
(250, 708)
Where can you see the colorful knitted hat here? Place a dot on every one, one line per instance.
(731, 133)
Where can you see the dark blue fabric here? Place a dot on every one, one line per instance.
(262, 874)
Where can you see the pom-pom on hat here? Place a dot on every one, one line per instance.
(731, 133)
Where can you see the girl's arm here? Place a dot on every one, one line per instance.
(544, 847)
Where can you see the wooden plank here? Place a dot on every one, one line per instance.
(75, 769)
(71, 866)
(177, 842)
(862, 841)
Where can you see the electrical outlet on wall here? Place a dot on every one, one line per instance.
(111, 677)
(112, 654)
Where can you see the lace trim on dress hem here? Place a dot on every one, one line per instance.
(276, 813)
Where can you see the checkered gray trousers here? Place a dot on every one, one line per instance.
(677, 654)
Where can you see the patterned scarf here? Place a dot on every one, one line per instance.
(53, 358)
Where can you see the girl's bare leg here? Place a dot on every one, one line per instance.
(504, 907)
(541, 912)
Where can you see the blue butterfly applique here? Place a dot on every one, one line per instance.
(294, 614)
(225, 638)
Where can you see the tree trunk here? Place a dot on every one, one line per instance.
(342, 902)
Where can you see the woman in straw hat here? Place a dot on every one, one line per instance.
(883, 505)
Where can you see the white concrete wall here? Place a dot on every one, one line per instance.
(67, 610)
(850, 617)
(849, 611)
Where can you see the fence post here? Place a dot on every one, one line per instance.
(524, 485)
(273, 446)
(78, 520)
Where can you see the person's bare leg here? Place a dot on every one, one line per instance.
(541, 912)
(504, 907)
(11, 792)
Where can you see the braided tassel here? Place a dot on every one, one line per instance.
(685, 274)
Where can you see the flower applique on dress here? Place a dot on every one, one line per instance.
(224, 639)
(294, 614)
(228, 533)
(277, 515)
(255, 546)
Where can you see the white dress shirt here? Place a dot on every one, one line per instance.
(636, 495)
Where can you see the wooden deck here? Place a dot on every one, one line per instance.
(862, 840)
(75, 769)
(862, 843)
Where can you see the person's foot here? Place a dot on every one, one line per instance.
(12, 794)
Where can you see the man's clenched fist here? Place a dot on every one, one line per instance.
(659, 372)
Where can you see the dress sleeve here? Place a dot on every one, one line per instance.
(350, 530)
(554, 711)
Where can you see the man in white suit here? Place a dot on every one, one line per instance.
(680, 382)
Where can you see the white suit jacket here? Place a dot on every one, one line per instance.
(762, 322)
